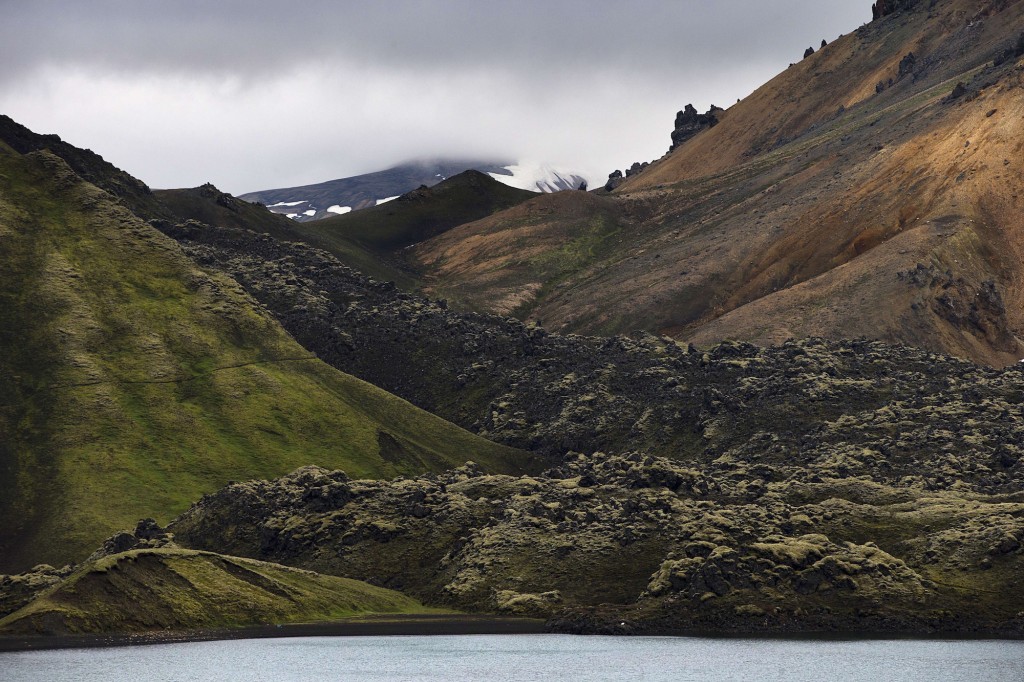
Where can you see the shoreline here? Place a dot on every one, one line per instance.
(441, 624)
(368, 626)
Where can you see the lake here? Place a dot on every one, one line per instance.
(527, 657)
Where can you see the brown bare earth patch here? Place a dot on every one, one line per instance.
(501, 263)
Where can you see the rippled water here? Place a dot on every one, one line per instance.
(527, 657)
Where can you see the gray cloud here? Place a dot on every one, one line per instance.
(257, 94)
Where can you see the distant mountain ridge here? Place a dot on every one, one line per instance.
(337, 197)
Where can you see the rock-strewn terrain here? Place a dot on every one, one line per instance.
(639, 544)
(806, 408)
(836, 486)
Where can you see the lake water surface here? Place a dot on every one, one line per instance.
(527, 657)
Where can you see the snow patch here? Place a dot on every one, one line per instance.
(293, 216)
(311, 212)
(384, 201)
(340, 210)
(286, 203)
(538, 177)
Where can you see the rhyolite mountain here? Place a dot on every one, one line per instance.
(338, 197)
(871, 189)
(817, 485)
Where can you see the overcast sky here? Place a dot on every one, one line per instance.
(262, 94)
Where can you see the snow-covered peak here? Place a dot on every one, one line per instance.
(539, 177)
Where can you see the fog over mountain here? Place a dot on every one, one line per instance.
(265, 94)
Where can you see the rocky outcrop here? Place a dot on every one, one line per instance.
(617, 177)
(606, 540)
(906, 66)
(147, 535)
(884, 8)
(689, 123)
(18, 590)
(910, 67)
(1010, 53)
(210, 191)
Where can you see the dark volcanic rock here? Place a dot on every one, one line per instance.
(614, 180)
(1011, 52)
(689, 123)
(907, 65)
(884, 8)
(605, 539)
(806, 408)
(18, 590)
(147, 535)
(636, 168)
(814, 485)
(958, 91)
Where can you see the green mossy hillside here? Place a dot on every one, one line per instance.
(132, 382)
(641, 544)
(373, 240)
(173, 589)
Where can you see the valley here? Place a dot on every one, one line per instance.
(769, 384)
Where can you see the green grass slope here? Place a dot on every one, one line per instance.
(210, 206)
(372, 240)
(174, 589)
(132, 382)
(88, 165)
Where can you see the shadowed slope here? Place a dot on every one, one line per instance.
(209, 205)
(373, 240)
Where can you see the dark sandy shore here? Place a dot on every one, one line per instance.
(432, 624)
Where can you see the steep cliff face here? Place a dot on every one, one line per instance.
(884, 8)
(689, 123)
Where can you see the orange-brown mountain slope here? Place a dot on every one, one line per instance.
(855, 194)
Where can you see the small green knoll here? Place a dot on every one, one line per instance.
(373, 240)
(174, 589)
